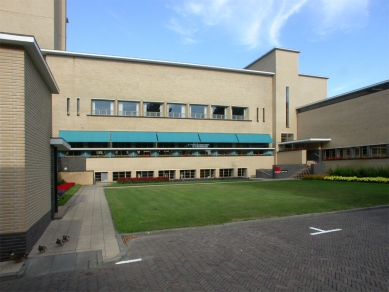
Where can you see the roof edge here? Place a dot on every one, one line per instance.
(314, 76)
(155, 62)
(34, 52)
(267, 53)
(345, 96)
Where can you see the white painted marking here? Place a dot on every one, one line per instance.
(323, 231)
(129, 261)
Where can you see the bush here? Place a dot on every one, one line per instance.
(130, 180)
(314, 177)
(383, 180)
(60, 181)
(362, 171)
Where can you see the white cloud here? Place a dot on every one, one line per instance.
(252, 23)
(342, 15)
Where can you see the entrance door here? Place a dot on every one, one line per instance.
(104, 176)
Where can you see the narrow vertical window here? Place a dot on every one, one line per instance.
(257, 114)
(68, 106)
(263, 114)
(287, 106)
(78, 106)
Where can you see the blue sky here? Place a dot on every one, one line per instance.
(345, 40)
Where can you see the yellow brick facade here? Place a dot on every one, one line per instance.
(44, 19)
(12, 147)
(37, 145)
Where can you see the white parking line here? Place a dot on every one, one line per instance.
(129, 261)
(323, 231)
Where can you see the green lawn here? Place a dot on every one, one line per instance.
(164, 206)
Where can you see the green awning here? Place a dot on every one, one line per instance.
(85, 136)
(137, 137)
(254, 138)
(218, 138)
(178, 137)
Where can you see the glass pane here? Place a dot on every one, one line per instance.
(102, 107)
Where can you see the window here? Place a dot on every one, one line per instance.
(198, 111)
(176, 110)
(226, 172)
(286, 137)
(378, 150)
(171, 174)
(345, 153)
(238, 113)
(120, 174)
(100, 153)
(187, 173)
(78, 106)
(207, 173)
(152, 109)
(128, 108)
(73, 153)
(242, 172)
(102, 107)
(145, 173)
(329, 154)
(97, 176)
(263, 114)
(287, 106)
(218, 112)
(68, 106)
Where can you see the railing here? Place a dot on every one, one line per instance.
(128, 113)
(176, 115)
(103, 112)
(238, 117)
(198, 116)
(219, 117)
(152, 114)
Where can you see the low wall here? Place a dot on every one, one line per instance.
(292, 157)
(179, 163)
(286, 170)
(356, 163)
(81, 178)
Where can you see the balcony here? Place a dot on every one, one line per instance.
(102, 113)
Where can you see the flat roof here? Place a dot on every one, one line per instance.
(34, 52)
(384, 85)
(154, 62)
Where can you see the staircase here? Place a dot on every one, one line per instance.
(302, 173)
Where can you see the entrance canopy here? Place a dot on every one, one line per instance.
(303, 141)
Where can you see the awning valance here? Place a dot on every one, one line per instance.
(140, 137)
(85, 136)
(176, 137)
(254, 138)
(218, 138)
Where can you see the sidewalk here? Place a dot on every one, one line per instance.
(93, 239)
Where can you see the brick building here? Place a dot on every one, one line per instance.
(104, 117)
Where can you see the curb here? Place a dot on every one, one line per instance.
(250, 222)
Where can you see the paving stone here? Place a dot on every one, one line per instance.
(265, 255)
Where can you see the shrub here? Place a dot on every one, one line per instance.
(361, 171)
(314, 177)
(130, 180)
(60, 181)
(383, 180)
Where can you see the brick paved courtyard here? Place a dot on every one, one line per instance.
(267, 255)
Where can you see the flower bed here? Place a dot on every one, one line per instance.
(131, 180)
(61, 189)
(359, 179)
